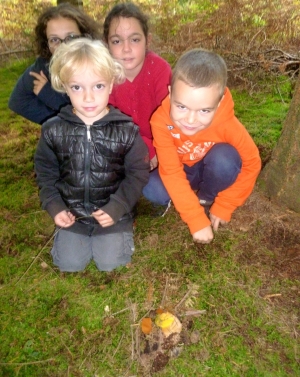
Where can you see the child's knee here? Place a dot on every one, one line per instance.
(68, 263)
(224, 158)
(71, 252)
(155, 190)
(114, 250)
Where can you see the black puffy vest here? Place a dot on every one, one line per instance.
(91, 160)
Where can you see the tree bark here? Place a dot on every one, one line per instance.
(281, 176)
(77, 3)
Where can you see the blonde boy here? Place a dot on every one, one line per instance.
(91, 162)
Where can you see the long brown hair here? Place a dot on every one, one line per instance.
(85, 24)
(126, 10)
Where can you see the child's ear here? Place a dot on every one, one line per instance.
(148, 40)
(169, 89)
(221, 100)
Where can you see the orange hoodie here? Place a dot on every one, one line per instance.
(225, 128)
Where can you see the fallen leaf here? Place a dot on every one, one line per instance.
(146, 325)
(195, 337)
(44, 265)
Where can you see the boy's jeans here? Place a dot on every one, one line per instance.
(214, 173)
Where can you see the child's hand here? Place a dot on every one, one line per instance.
(39, 82)
(153, 163)
(64, 219)
(216, 221)
(204, 235)
(103, 218)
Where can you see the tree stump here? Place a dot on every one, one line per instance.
(281, 176)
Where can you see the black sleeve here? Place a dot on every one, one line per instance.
(39, 108)
(137, 169)
(47, 174)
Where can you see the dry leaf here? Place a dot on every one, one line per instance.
(44, 265)
(146, 325)
(195, 337)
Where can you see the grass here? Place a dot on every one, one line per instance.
(87, 324)
(263, 113)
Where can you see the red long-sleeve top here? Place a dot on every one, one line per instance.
(141, 97)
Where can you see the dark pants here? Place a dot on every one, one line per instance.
(214, 173)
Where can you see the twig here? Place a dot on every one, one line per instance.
(193, 312)
(42, 249)
(88, 354)
(132, 343)
(29, 362)
(282, 52)
(165, 292)
(252, 39)
(37, 256)
(266, 297)
(118, 346)
(286, 64)
(279, 92)
(133, 308)
(120, 311)
(134, 346)
(42, 278)
(27, 214)
(137, 341)
(14, 52)
(184, 297)
(67, 348)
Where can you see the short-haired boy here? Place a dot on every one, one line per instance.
(207, 160)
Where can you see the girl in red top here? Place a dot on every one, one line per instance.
(148, 76)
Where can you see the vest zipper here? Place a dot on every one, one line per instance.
(88, 127)
(87, 169)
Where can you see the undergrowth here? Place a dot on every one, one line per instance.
(87, 324)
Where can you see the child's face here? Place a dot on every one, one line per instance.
(60, 28)
(127, 44)
(89, 93)
(193, 109)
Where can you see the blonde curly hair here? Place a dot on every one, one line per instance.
(71, 56)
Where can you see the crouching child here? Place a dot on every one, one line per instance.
(208, 162)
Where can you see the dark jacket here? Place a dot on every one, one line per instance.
(83, 168)
(38, 108)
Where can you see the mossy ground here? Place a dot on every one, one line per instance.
(87, 324)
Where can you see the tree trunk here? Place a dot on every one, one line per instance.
(76, 3)
(281, 176)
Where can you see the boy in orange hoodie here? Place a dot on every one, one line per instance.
(207, 160)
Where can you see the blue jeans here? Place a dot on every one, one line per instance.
(214, 173)
(155, 190)
(72, 252)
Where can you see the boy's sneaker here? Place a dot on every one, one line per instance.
(206, 205)
(160, 211)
